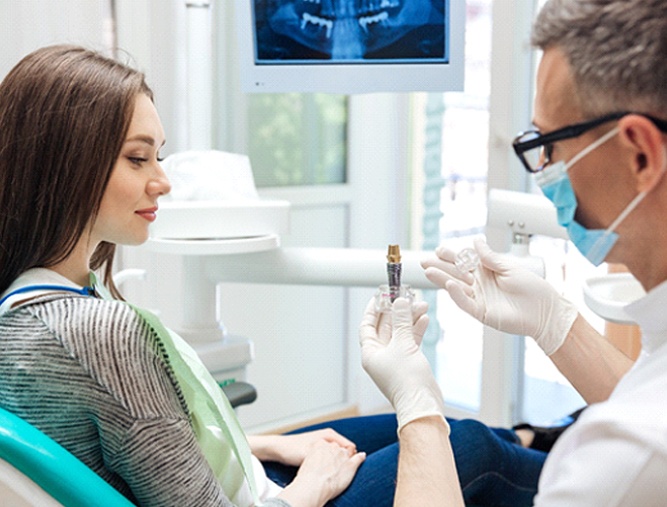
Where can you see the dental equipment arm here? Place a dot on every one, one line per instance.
(338, 267)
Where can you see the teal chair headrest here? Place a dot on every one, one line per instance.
(56, 470)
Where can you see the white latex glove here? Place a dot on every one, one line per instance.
(503, 295)
(391, 355)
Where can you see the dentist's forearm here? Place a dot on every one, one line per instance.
(426, 471)
(592, 364)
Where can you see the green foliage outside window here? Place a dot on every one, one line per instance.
(297, 139)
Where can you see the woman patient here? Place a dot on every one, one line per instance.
(79, 173)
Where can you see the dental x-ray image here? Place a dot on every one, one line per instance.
(308, 31)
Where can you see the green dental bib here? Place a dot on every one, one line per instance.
(213, 419)
(218, 431)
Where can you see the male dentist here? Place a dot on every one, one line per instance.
(599, 153)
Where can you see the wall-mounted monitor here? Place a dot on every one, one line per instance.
(351, 46)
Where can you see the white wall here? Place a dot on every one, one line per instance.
(29, 24)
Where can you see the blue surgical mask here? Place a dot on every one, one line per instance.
(594, 244)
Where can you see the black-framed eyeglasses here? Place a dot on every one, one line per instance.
(534, 149)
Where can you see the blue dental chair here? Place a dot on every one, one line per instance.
(36, 471)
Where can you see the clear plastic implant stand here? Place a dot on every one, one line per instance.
(386, 295)
(467, 260)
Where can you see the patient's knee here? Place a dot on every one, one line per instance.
(476, 447)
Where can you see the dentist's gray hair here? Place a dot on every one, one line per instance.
(617, 50)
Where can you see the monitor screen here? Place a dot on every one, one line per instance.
(351, 46)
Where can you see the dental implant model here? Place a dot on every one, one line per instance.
(388, 293)
(394, 268)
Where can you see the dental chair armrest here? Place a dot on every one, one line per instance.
(239, 393)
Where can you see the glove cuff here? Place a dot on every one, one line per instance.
(417, 404)
(558, 327)
(421, 416)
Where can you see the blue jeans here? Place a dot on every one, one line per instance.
(493, 469)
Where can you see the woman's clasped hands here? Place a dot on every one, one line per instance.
(325, 459)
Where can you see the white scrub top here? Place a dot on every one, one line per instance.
(616, 453)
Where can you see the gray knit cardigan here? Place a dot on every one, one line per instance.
(92, 375)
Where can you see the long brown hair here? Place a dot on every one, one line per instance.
(64, 114)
